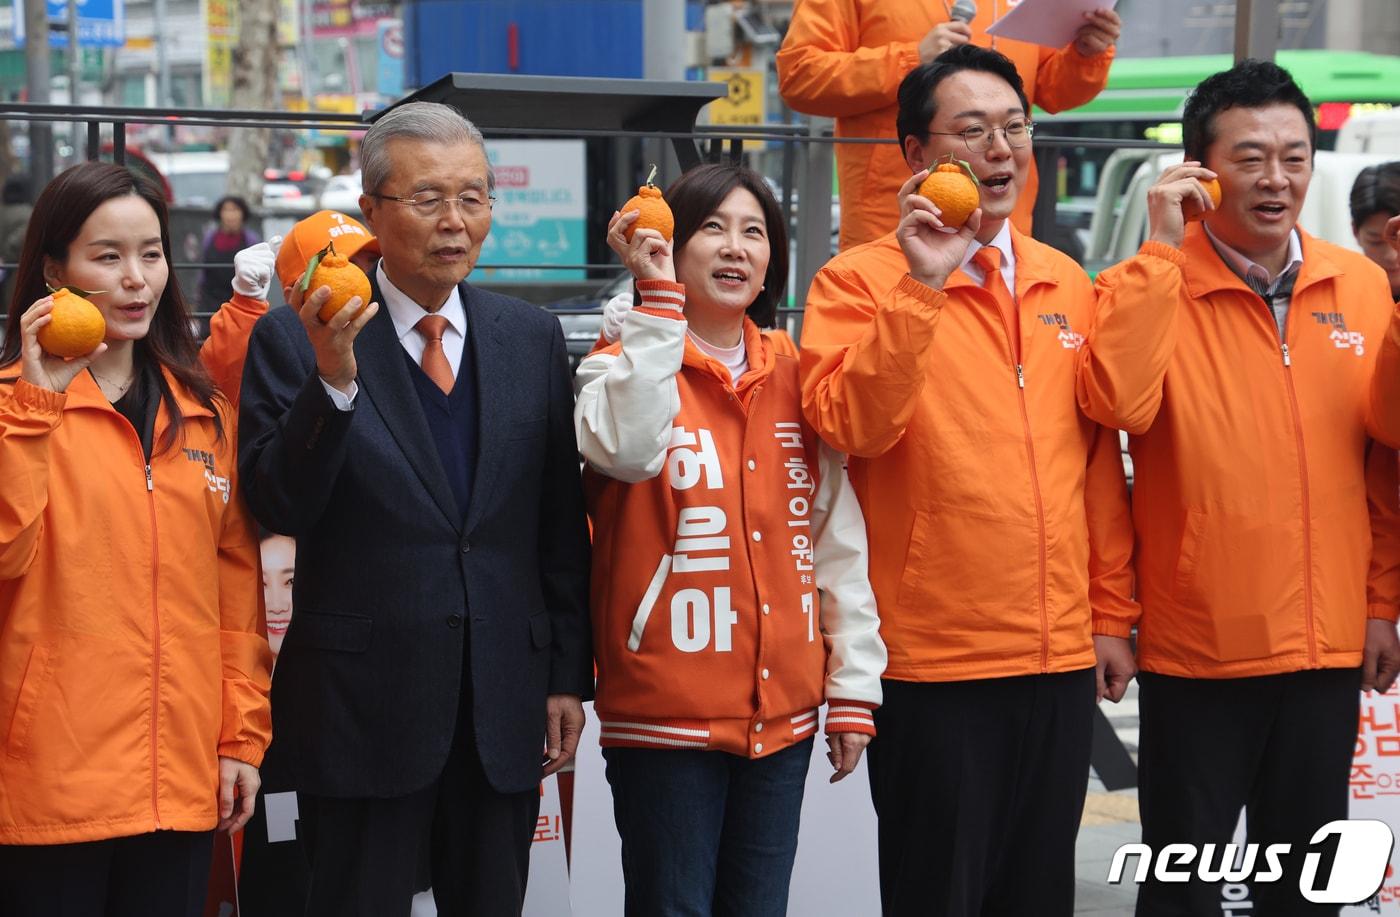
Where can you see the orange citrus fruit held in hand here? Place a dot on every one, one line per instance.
(77, 326)
(655, 212)
(346, 282)
(1193, 210)
(953, 191)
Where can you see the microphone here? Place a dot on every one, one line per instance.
(963, 10)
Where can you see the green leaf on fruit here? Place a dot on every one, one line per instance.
(311, 266)
(77, 291)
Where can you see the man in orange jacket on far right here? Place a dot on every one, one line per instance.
(1258, 371)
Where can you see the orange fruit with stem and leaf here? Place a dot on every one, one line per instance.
(953, 189)
(655, 212)
(1194, 211)
(329, 269)
(76, 326)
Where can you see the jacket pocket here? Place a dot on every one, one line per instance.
(541, 630)
(1188, 555)
(36, 677)
(340, 633)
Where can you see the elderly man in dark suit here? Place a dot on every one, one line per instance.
(423, 455)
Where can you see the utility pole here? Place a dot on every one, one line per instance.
(36, 64)
(74, 74)
(1256, 29)
(663, 58)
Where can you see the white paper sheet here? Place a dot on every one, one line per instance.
(1052, 23)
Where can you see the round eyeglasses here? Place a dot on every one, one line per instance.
(979, 138)
(428, 204)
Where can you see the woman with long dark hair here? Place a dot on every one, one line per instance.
(133, 665)
(730, 591)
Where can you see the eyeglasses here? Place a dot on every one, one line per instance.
(979, 137)
(428, 204)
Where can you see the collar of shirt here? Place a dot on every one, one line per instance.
(1247, 269)
(735, 359)
(1002, 241)
(405, 313)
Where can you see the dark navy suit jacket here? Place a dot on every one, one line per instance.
(390, 581)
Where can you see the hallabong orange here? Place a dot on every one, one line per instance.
(952, 188)
(346, 281)
(1193, 210)
(655, 212)
(77, 326)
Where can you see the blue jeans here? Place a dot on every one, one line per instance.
(706, 833)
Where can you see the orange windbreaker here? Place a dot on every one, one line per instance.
(132, 649)
(730, 595)
(997, 514)
(844, 59)
(1251, 476)
(226, 349)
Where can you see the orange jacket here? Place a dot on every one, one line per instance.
(132, 650)
(1251, 478)
(997, 515)
(730, 594)
(226, 349)
(844, 59)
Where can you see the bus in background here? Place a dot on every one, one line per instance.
(1144, 99)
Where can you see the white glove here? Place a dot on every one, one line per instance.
(614, 311)
(252, 268)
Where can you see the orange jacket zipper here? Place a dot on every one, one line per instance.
(1014, 343)
(1307, 501)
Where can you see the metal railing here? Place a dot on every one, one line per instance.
(805, 172)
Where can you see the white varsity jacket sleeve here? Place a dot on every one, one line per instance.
(627, 401)
(850, 623)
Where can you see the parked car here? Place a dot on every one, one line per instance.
(582, 317)
(342, 192)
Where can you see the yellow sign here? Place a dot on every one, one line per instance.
(745, 103)
(221, 19)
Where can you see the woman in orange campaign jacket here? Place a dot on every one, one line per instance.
(133, 667)
(730, 593)
(844, 59)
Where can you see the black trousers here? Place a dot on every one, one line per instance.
(162, 874)
(1278, 746)
(365, 854)
(979, 787)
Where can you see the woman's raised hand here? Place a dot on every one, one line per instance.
(648, 255)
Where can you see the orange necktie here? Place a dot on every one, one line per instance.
(434, 357)
(988, 258)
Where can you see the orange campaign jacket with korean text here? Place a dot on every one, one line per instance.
(730, 596)
(1254, 497)
(132, 644)
(999, 533)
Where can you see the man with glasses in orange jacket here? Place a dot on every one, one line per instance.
(1257, 369)
(1000, 544)
(844, 59)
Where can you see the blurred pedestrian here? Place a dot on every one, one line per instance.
(229, 235)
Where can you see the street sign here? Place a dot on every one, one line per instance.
(101, 23)
(744, 103)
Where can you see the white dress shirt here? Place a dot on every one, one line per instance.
(1002, 241)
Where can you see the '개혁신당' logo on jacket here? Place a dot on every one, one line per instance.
(1341, 338)
(217, 483)
(1069, 338)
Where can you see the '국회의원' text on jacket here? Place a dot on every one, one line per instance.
(730, 593)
